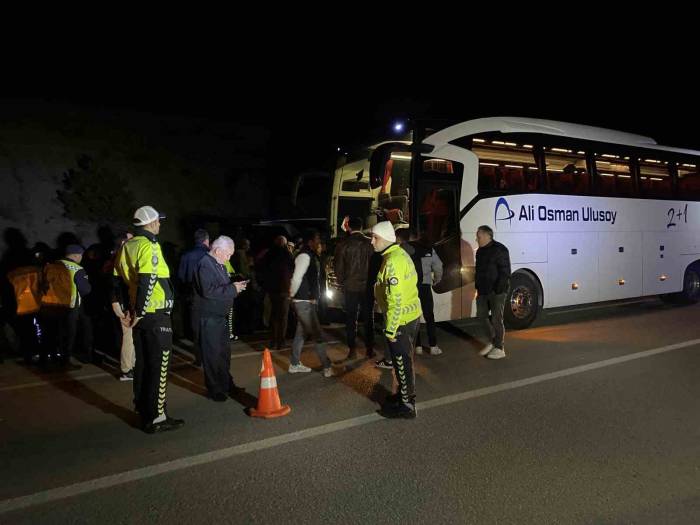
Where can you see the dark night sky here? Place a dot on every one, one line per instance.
(311, 105)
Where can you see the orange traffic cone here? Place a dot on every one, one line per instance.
(269, 404)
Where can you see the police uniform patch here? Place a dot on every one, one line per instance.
(393, 281)
(154, 260)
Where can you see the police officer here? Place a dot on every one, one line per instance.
(144, 271)
(21, 301)
(66, 285)
(396, 292)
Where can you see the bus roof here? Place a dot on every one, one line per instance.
(546, 127)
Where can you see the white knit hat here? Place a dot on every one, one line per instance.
(385, 230)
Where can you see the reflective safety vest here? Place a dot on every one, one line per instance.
(139, 256)
(59, 284)
(396, 289)
(26, 283)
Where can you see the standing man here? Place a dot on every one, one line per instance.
(244, 307)
(143, 269)
(305, 291)
(351, 265)
(66, 285)
(185, 274)
(214, 297)
(492, 283)
(278, 265)
(429, 269)
(21, 302)
(396, 292)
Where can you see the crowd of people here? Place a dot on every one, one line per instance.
(119, 298)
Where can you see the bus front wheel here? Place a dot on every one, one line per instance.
(522, 302)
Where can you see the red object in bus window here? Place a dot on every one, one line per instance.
(387, 175)
(435, 211)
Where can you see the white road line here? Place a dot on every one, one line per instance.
(86, 487)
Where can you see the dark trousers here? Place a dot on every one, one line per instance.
(59, 327)
(84, 336)
(494, 304)
(402, 356)
(153, 342)
(425, 293)
(279, 314)
(216, 354)
(358, 304)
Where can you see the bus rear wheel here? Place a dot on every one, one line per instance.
(691, 288)
(522, 302)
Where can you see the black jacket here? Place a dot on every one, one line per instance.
(188, 265)
(351, 262)
(492, 269)
(214, 291)
(276, 270)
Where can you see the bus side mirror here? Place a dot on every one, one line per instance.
(381, 155)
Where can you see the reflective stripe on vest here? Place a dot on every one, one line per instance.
(73, 268)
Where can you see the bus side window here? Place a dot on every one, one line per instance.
(566, 171)
(688, 180)
(614, 175)
(655, 178)
(393, 199)
(505, 167)
(437, 213)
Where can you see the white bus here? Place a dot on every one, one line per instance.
(588, 214)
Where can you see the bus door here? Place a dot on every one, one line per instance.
(437, 213)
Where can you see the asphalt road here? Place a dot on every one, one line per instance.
(592, 418)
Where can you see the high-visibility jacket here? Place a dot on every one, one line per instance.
(396, 289)
(60, 288)
(140, 264)
(26, 283)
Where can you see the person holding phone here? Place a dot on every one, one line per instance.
(214, 295)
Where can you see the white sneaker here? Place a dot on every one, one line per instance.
(127, 376)
(419, 350)
(327, 372)
(435, 350)
(496, 353)
(295, 369)
(385, 364)
(486, 350)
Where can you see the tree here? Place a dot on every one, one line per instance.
(94, 193)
